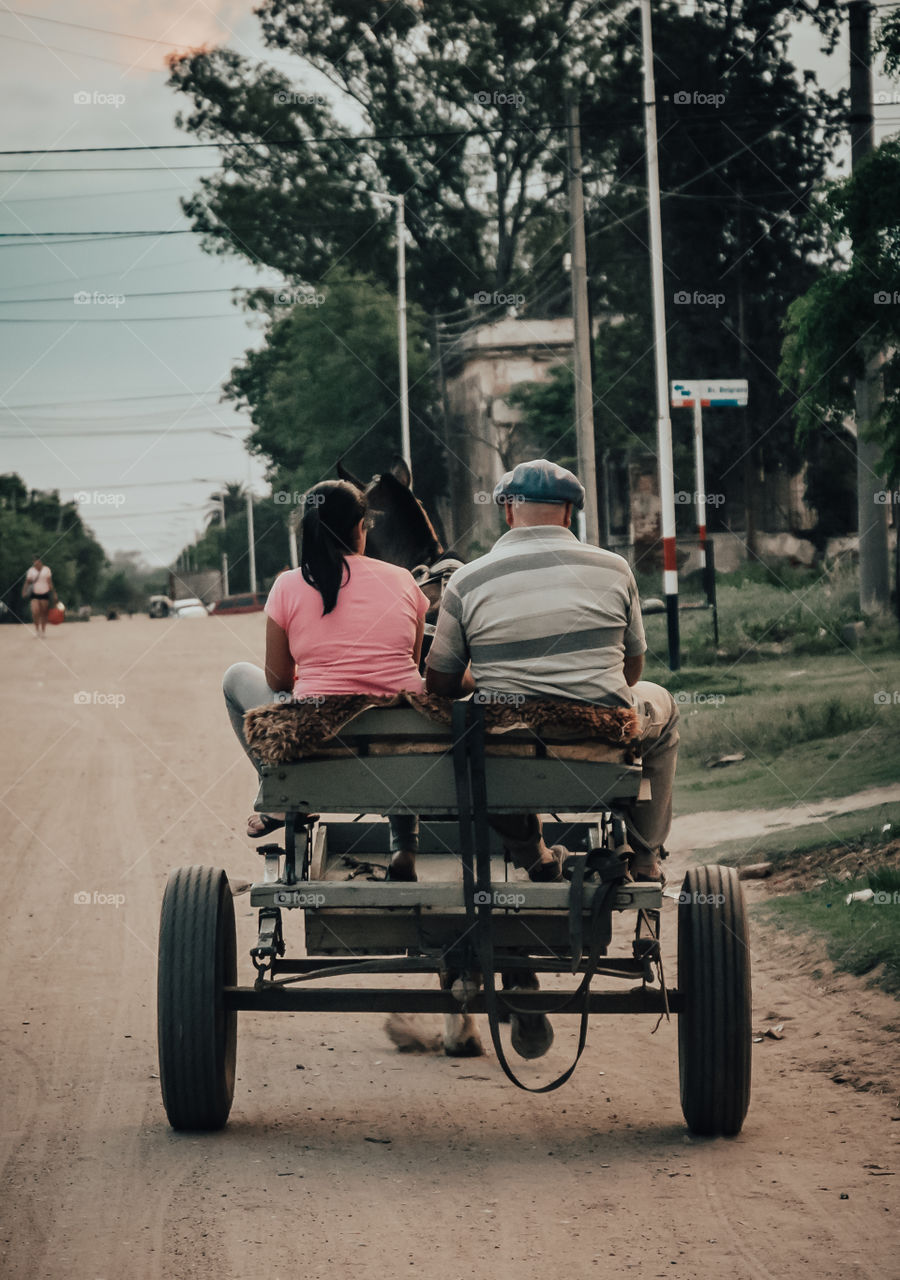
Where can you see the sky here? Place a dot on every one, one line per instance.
(114, 353)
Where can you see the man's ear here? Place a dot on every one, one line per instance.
(508, 513)
(567, 516)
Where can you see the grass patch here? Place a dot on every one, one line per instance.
(860, 936)
(862, 829)
(766, 611)
(809, 728)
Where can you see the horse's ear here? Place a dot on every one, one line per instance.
(400, 471)
(344, 474)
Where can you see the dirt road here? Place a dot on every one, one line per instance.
(342, 1158)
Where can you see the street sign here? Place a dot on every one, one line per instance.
(715, 393)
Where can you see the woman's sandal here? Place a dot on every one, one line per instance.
(267, 825)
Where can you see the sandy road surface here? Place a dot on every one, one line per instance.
(475, 1178)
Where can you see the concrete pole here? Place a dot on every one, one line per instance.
(699, 472)
(225, 591)
(664, 420)
(251, 541)
(292, 541)
(584, 391)
(401, 326)
(874, 584)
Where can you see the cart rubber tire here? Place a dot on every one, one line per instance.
(197, 1035)
(714, 1026)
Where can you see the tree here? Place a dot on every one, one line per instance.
(460, 106)
(852, 311)
(34, 522)
(230, 499)
(744, 139)
(325, 386)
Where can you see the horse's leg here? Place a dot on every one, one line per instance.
(461, 1038)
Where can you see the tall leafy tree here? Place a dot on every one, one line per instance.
(459, 104)
(851, 312)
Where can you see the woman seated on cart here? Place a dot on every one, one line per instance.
(341, 623)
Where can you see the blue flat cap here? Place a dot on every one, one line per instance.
(540, 481)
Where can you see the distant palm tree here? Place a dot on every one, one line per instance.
(234, 498)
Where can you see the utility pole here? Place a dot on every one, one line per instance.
(251, 541)
(401, 325)
(664, 420)
(874, 589)
(584, 391)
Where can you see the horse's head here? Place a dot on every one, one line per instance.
(401, 532)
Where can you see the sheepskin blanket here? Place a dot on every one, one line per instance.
(283, 731)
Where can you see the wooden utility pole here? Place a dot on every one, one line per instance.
(874, 588)
(584, 390)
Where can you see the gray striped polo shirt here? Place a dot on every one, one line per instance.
(542, 614)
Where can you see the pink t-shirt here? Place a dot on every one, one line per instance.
(365, 644)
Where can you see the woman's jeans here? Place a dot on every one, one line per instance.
(245, 687)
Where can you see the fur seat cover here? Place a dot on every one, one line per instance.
(282, 731)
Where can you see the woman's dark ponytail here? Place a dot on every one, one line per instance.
(332, 512)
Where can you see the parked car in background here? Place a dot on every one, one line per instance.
(160, 606)
(190, 607)
(247, 602)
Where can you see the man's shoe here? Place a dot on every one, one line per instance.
(644, 867)
(549, 872)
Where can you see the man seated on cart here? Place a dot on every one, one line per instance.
(545, 615)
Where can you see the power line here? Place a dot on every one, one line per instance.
(283, 142)
(120, 435)
(102, 31)
(141, 168)
(65, 404)
(46, 235)
(229, 315)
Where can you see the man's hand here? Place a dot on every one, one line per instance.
(633, 669)
(449, 685)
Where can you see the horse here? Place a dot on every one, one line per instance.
(402, 533)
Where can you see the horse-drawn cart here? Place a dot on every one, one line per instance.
(463, 920)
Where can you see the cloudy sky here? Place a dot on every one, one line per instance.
(114, 351)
